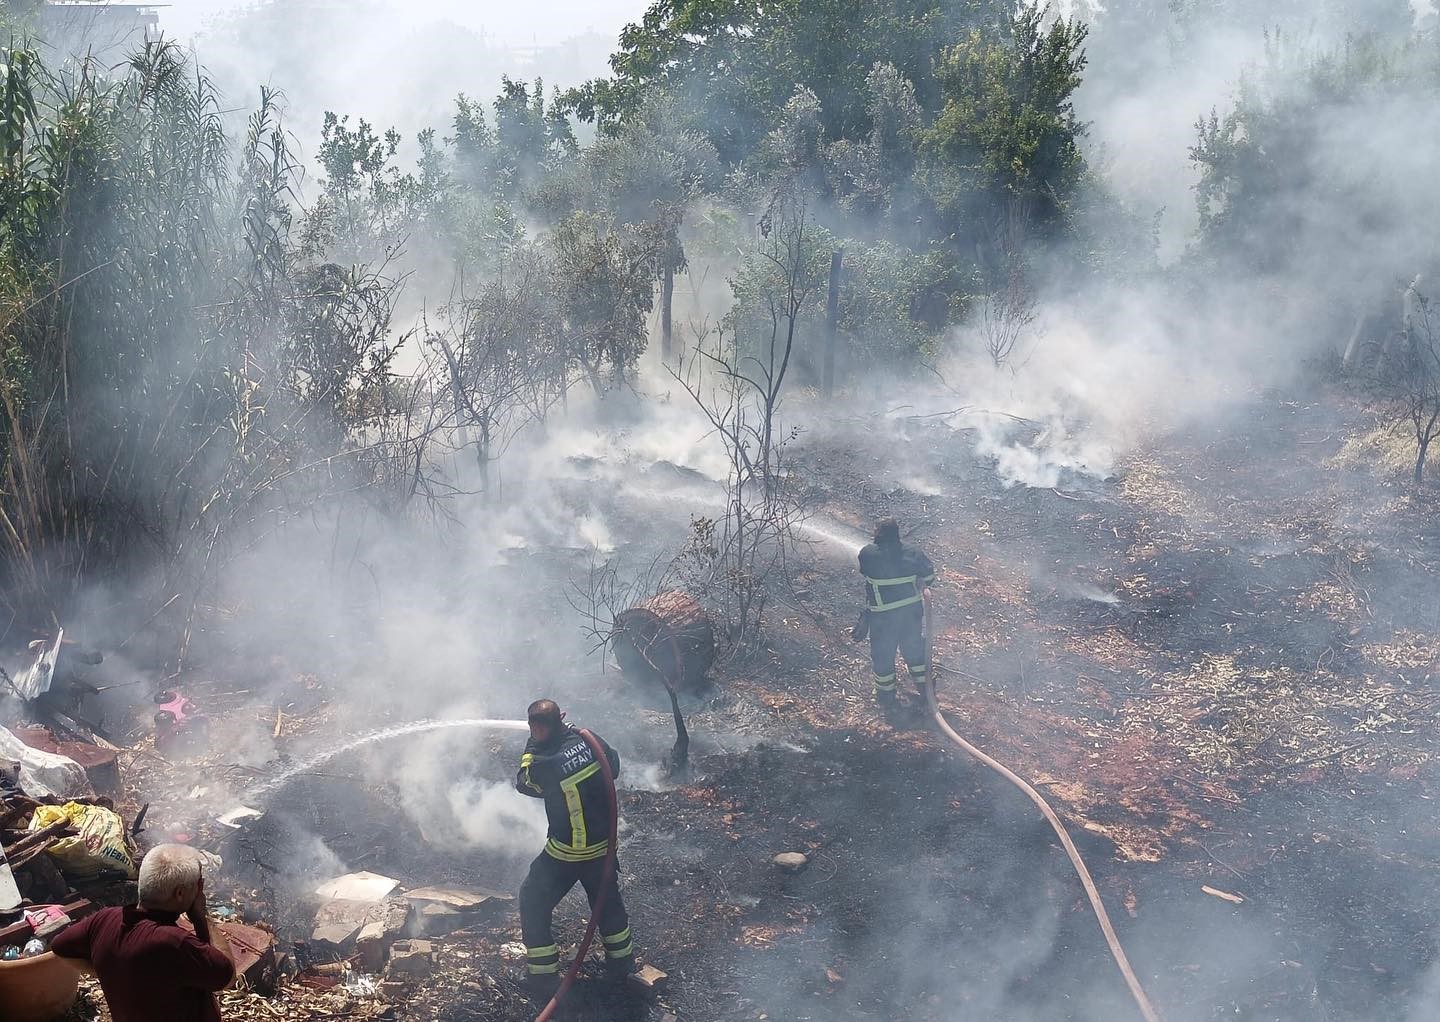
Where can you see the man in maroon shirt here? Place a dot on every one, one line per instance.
(150, 967)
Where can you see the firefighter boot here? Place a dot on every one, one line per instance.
(885, 693)
(922, 678)
(543, 986)
(898, 713)
(619, 969)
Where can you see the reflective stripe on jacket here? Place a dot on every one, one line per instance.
(565, 773)
(894, 575)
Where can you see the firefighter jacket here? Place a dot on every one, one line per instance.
(894, 574)
(565, 773)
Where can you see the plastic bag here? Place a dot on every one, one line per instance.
(43, 773)
(99, 845)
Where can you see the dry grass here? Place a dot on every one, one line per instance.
(1383, 452)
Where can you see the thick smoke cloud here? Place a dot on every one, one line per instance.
(460, 611)
(395, 65)
(1344, 233)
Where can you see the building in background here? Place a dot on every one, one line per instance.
(106, 32)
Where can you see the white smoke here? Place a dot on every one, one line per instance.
(493, 817)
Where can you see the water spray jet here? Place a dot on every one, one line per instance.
(398, 731)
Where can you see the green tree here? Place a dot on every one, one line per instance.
(646, 174)
(603, 282)
(530, 138)
(739, 62)
(370, 206)
(1317, 153)
(176, 370)
(1008, 128)
(874, 175)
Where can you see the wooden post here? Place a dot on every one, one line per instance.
(832, 323)
(667, 300)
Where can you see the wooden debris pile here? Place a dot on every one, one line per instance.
(39, 878)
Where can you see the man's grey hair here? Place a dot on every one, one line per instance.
(165, 869)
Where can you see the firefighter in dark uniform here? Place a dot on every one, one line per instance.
(896, 576)
(560, 767)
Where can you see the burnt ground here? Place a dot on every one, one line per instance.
(1220, 666)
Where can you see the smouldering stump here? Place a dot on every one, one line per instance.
(668, 638)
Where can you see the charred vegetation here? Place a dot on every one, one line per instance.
(342, 460)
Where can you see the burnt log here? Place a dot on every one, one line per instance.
(669, 638)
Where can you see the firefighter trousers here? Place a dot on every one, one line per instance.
(548, 881)
(901, 629)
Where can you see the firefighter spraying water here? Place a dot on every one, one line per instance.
(562, 765)
(897, 576)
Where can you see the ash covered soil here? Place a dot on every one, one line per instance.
(1221, 665)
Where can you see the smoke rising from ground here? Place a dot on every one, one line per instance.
(1339, 236)
(456, 607)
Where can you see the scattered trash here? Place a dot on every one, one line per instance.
(236, 818)
(437, 911)
(98, 761)
(98, 846)
(317, 980)
(10, 898)
(339, 922)
(411, 959)
(359, 985)
(43, 773)
(47, 920)
(455, 897)
(647, 978)
(378, 936)
(35, 679)
(362, 886)
(180, 726)
(1234, 899)
(253, 952)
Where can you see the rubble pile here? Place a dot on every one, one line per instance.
(63, 848)
(64, 852)
(69, 851)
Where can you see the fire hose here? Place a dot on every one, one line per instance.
(606, 876)
(1142, 1000)
(1136, 990)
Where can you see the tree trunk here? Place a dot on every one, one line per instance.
(667, 301)
(1352, 347)
(1424, 439)
(482, 458)
(458, 401)
(832, 323)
